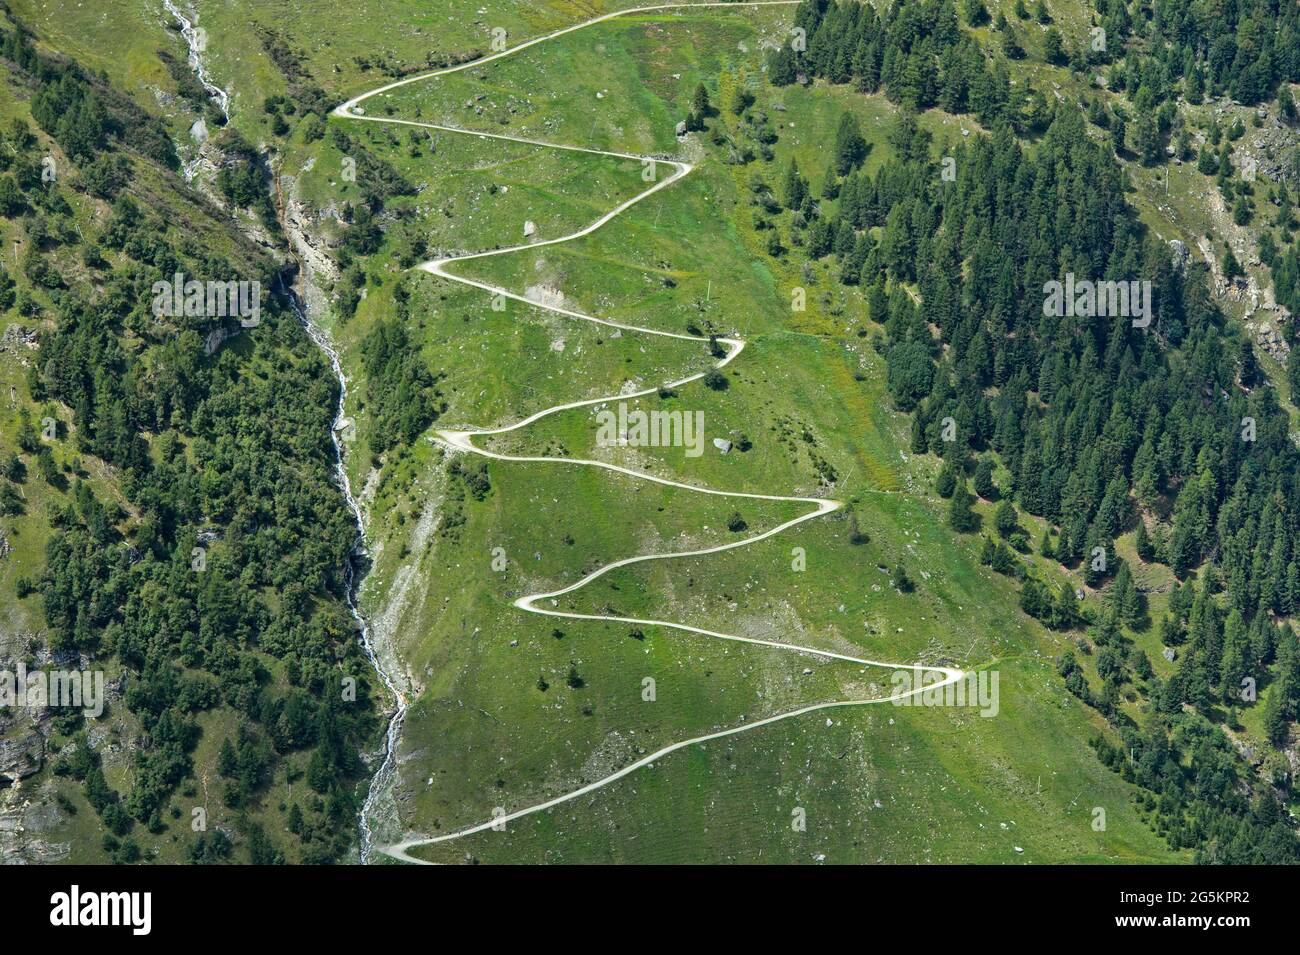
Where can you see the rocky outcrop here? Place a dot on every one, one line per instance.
(1179, 255)
(217, 337)
(21, 755)
(20, 342)
(1269, 338)
(25, 818)
(306, 235)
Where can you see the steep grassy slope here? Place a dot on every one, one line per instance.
(495, 722)
(509, 709)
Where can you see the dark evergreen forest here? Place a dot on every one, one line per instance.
(1103, 428)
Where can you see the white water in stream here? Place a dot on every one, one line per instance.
(351, 585)
(195, 39)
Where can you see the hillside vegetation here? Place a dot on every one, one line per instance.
(169, 512)
(1098, 507)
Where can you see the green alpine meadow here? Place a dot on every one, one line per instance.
(554, 432)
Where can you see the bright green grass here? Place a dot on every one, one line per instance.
(121, 37)
(481, 733)
(643, 272)
(879, 784)
(620, 85)
(827, 412)
(471, 199)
